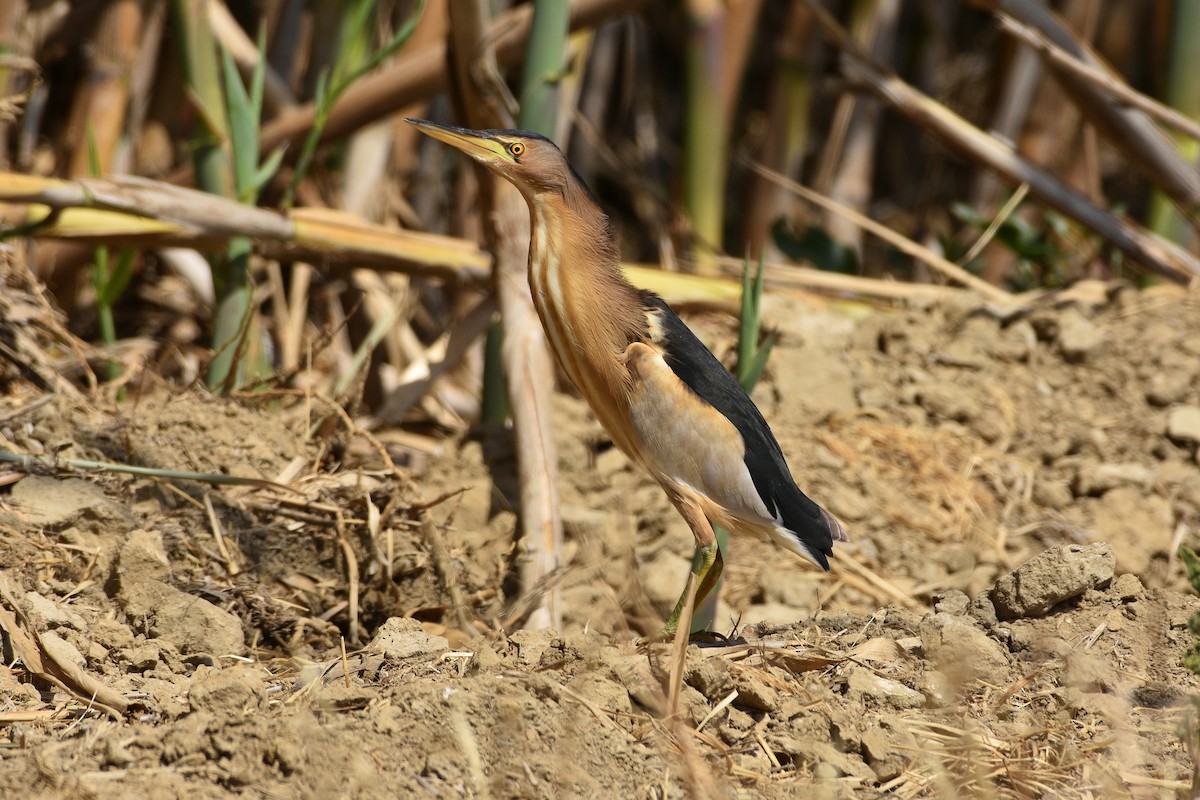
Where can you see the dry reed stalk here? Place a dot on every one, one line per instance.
(417, 75)
(525, 353)
(277, 95)
(1098, 77)
(99, 115)
(1008, 118)
(1130, 129)
(786, 135)
(142, 212)
(1152, 253)
(851, 183)
(441, 356)
(902, 243)
(808, 279)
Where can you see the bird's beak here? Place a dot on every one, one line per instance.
(479, 145)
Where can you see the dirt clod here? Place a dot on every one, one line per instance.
(1049, 578)
(234, 691)
(864, 683)
(192, 624)
(1183, 424)
(404, 638)
(956, 445)
(961, 650)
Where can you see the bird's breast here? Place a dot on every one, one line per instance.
(579, 313)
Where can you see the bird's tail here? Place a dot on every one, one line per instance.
(836, 529)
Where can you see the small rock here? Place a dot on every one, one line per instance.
(403, 638)
(961, 650)
(527, 646)
(143, 557)
(1183, 424)
(754, 693)
(110, 633)
(54, 503)
(1055, 495)
(820, 755)
(1051, 577)
(709, 676)
(736, 726)
(141, 658)
(697, 706)
(190, 623)
(48, 614)
(602, 692)
(1021, 635)
(1094, 480)
(1077, 336)
(888, 751)
(227, 692)
(864, 682)
(1166, 388)
(983, 610)
(951, 601)
(1127, 587)
(97, 653)
(947, 401)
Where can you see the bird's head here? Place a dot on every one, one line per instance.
(531, 162)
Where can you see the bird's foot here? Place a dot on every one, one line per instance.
(695, 637)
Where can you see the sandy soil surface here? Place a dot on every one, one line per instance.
(1008, 621)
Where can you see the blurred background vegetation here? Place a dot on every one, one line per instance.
(672, 111)
(881, 150)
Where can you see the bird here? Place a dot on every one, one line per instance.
(665, 400)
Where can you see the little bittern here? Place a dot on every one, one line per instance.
(667, 402)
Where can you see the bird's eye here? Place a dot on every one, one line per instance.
(516, 148)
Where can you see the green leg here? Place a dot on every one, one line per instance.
(707, 565)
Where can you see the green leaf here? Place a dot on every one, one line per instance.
(747, 319)
(260, 74)
(395, 43)
(117, 280)
(1192, 660)
(243, 129)
(92, 152)
(100, 272)
(754, 369)
(268, 168)
(815, 246)
(1192, 562)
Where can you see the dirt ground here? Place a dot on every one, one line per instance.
(195, 630)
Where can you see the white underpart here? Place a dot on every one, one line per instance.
(694, 449)
(702, 454)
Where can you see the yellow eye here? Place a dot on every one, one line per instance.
(516, 148)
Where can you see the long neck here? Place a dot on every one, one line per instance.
(589, 310)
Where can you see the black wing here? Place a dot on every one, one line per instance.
(700, 370)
